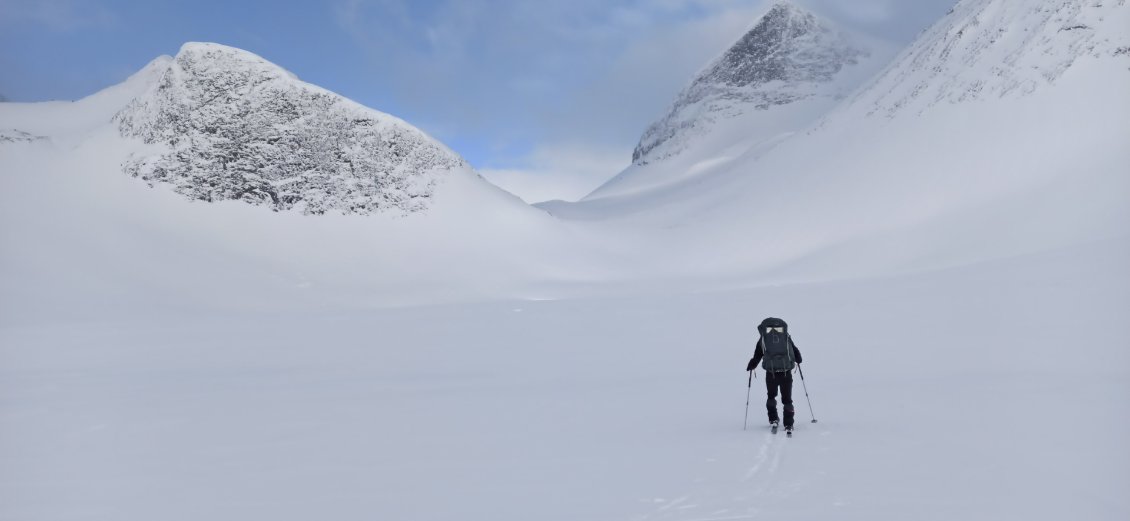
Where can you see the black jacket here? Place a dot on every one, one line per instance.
(758, 353)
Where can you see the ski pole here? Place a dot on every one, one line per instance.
(810, 413)
(748, 388)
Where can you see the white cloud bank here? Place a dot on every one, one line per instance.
(560, 171)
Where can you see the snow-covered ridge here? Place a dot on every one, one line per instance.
(789, 55)
(990, 49)
(235, 126)
(1035, 158)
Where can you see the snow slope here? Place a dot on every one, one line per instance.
(783, 74)
(435, 230)
(949, 248)
(593, 408)
(1001, 131)
(956, 153)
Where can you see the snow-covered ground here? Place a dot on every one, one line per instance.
(949, 247)
(989, 392)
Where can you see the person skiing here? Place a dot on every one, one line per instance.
(778, 355)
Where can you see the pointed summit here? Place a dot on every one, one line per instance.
(788, 55)
(771, 51)
(777, 78)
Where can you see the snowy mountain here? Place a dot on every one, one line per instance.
(986, 50)
(238, 127)
(940, 243)
(1001, 130)
(786, 71)
(223, 137)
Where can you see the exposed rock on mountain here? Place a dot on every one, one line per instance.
(971, 55)
(18, 136)
(779, 78)
(789, 55)
(234, 126)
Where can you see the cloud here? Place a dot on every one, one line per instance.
(509, 68)
(493, 78)
(862, 11)
(891, 20)
(588, 136)
(517, 86)
(641, 79)
(566, 171)
(56, 15)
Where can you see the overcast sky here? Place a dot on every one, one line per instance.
(547, 97)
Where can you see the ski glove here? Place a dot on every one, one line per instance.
(750, 366)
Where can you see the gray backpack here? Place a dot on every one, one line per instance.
(776, 346)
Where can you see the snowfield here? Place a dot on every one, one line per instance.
(948, 244)
(992, 392)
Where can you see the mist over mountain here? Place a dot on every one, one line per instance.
(788, 56)
(786, 71)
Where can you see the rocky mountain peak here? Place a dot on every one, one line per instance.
(757, 56)
(234, 126)
(789, 55)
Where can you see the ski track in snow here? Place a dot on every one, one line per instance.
(762, 455)
(758, 482)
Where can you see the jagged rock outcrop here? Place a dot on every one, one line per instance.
(235, 127)
(11, 135)
(789, 55)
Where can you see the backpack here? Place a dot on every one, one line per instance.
(776, 345)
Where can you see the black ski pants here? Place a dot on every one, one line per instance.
(784, 382)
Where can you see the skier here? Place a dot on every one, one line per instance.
(778, 356)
